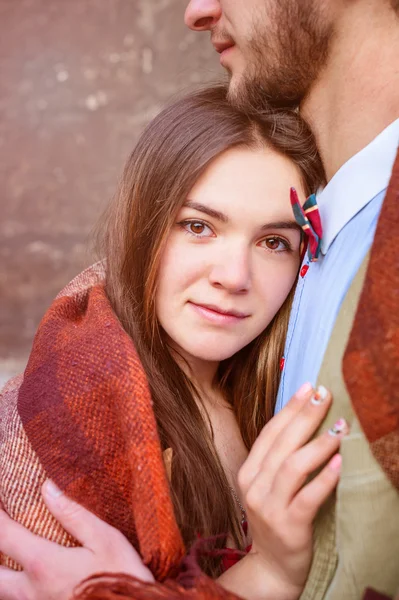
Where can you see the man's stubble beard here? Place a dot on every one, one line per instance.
(284, 58)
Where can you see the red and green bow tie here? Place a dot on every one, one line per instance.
(308, 218)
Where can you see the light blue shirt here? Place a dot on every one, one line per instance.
(349, 208)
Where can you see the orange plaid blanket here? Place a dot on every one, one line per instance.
(81, 414)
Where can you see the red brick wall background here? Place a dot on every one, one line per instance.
(79, 81)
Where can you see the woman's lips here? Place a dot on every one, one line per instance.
(217, 315)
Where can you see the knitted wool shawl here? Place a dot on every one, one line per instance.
(82, 415)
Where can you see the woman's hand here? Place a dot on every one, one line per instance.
(280, 505)
(51, 571)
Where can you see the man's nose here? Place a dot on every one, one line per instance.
(202, 15)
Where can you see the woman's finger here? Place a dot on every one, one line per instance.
(82, 524)
(298, 431)
(13, 584)
(305, 461)
(270, 432)
(18, 542)
(312, 496)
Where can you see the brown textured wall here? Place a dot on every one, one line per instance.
(79, 80)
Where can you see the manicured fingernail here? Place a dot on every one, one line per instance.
(336, 462)
(339, 427)
(52, 490)
(304, 389)
(320, 396)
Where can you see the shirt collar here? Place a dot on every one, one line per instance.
(356, 183)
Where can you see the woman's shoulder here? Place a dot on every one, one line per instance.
(93, 275)
(82, 413)
(82, 363)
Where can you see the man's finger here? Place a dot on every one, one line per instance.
(13, 584)
(18, 542)
(77, 520)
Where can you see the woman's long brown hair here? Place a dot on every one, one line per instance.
(172, 153)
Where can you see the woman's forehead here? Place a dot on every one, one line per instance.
(241, 181)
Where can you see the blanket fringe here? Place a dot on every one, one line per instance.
(125, 587)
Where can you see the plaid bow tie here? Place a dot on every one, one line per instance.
(308, 218)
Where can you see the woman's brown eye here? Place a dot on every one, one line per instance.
(197, 227)
(272, 243)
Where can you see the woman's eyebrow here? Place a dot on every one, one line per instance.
(207, 210)
(224, 218)
(282, 225)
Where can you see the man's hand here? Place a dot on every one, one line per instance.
(51, 571)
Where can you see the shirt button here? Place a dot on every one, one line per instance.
(304, 270)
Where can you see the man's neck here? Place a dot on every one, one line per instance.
(357, 95)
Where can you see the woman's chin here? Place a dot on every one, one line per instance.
(212, 352)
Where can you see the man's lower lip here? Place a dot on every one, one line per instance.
(225, 53)
(214, 316)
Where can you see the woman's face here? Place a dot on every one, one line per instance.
(231, 257)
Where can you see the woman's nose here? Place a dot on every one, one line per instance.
(232, 271)
(202, 15)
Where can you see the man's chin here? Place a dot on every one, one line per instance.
(236, 94)
(243, 95)
(252, 96)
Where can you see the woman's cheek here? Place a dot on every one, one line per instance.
(283, 280)
(181, 266)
